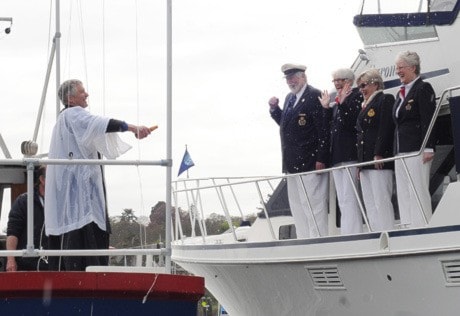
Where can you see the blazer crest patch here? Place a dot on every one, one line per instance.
(302, 119)
(409, 105)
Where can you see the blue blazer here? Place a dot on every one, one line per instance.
(343, 128)
(414, 117)
(375, 130)
(304, 132)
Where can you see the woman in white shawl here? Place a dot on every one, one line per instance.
(75, 208)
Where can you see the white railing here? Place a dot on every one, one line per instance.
(195, 193)
(31, 251)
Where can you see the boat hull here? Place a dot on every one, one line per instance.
(398, 273)
(96, 293)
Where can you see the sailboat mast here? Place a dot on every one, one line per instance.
(168, 133)
(57, 39)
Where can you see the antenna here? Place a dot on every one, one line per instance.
(4, 148)
(7, 30)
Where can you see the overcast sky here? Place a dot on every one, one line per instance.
(226, 65)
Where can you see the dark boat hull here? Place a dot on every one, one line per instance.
(99, 293)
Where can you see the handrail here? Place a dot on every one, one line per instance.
(248, 180)
(360, 164)
(83, 252)
(25, 161)
(30, 162)
(270, 226)
(31, 251)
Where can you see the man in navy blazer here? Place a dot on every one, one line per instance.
(304, 131)
(412, 112)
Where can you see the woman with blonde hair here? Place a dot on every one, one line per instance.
(375, 141)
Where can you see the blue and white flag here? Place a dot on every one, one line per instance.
(186, 163)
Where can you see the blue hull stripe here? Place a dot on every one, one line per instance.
(324, 240)
(426, 75)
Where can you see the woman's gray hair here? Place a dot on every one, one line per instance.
(343, 73)
(410, 58)
(371, 76)
(68, 88)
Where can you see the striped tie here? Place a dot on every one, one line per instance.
(291, 101)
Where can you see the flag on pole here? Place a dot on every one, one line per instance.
(186, 163)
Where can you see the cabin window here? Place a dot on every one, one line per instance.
(387, 22)
(380, 35)
(406, 6)
(287, 232)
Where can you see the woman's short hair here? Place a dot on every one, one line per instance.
(371, 76)
(410, 58)
(343, 73)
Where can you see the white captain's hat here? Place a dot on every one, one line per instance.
(289, 69)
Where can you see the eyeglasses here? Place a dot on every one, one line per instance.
(402, 67)
(363, 85)
(335, 80)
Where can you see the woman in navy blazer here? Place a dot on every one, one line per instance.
(343, 113)
(412, 112)
(375, 141)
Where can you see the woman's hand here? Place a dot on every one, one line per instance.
(324, 99)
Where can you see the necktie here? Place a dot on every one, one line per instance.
(291, 101)
(402, 92)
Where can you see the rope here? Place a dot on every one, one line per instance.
(142, 207)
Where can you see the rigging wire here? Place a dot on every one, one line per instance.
(49, 32)
(65, 68)
(75, 25)
(142, 205)
(83, 42)
(137, 69)
(103, 60)
(76, 8)
(142, 210)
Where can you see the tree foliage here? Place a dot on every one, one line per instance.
(128, 216)
(127, 231)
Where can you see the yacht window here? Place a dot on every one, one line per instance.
(379, 35)
(287, 232)
(389, 21)
(442, 5)
(406, 6)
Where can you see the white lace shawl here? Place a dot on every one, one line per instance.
(74, 194)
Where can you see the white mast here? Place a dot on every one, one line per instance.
(57, 42)
(168, 133)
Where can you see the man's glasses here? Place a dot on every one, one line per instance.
(363, 85)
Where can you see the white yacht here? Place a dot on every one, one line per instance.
(262, 269)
